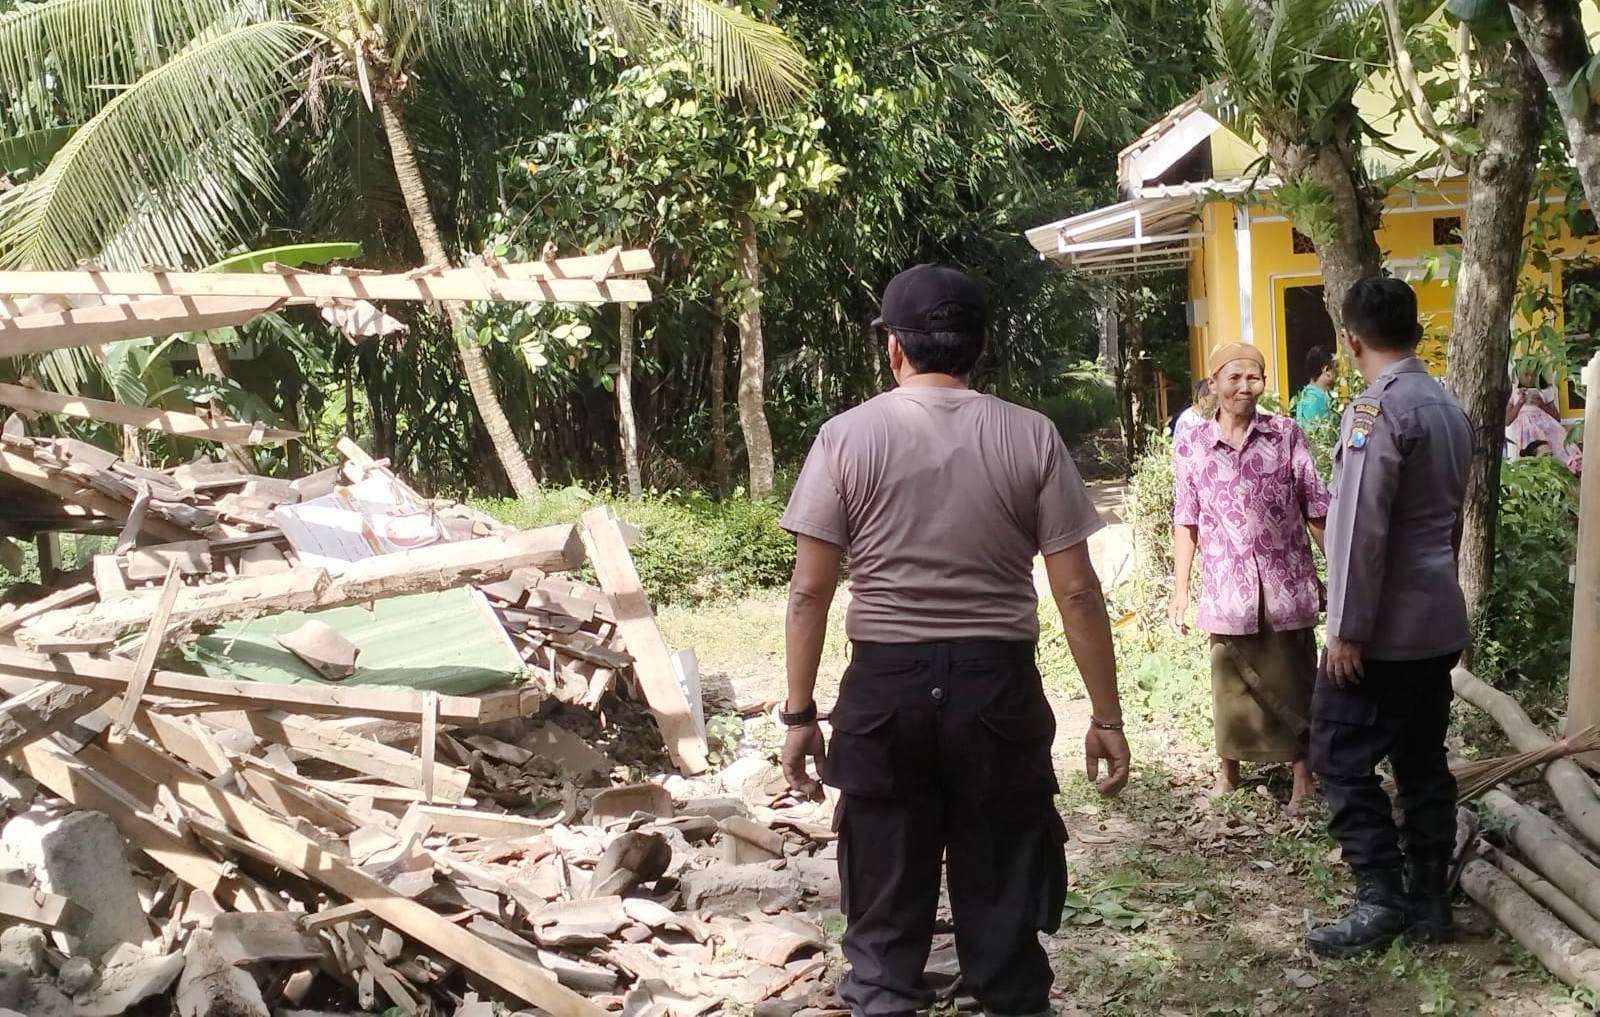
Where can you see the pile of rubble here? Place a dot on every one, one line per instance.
(284, 819)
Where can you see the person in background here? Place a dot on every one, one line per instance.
(1197, 412)
(1533, 415)
(941, 496)
(1536, 450)
(1397, 623)
(1247, 494)
(1315, 403)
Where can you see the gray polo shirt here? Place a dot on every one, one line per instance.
(941, 497)
(1399, 478)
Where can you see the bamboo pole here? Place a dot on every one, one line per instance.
(1583, 688)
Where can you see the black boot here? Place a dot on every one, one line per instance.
(1428, 917)
(1378, 917)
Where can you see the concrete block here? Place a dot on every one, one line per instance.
(82, 856)
(23, 946)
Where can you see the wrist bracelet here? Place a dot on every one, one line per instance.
(1105, 725)
(799, 718)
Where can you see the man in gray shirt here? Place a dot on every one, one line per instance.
(1397, 624)
(941, 496)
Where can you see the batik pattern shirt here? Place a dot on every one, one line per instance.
(1251, 505)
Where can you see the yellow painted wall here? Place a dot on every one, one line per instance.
(1405, 237)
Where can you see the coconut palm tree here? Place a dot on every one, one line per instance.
(1290, 70)
(179, 102)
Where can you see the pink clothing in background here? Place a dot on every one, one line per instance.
(1251, 507)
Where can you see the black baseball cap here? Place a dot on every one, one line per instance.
(933, 298)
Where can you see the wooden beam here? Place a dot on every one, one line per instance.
(422, 570)
(45, 910)
(29, 472)
(91, 326)
(407, 917)
(1583, 688)
(145, 662)
(335, 745)
(44, 605)
(636, 623)
(89, 783)
(43, 710)
(353, 701)
(475, 822)
(186, 425)
(476, 283)
(585, 266)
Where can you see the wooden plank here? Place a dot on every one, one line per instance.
(636, 622)
(429, 743)
(405, 916)
(353, 701)
(50, 602)
(192, 558)
(629, 262)
(475, 822)
(479, 283)
(31, 473)
(145, 662)
(186, 425)
(91, 326)
(1583, 690)
(109, 583)
(335, 745)
(88, 783)
(43, 710)
(34, 907)
(425, 569)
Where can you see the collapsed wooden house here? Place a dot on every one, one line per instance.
(285, 693)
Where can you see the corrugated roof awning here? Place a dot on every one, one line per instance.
(1145, 234)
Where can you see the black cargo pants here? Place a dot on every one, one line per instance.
(942, 751)
(1399, 711)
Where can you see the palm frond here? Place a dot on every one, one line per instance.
(739, 52)
(84, 47)
(26, 154)
(146, 139)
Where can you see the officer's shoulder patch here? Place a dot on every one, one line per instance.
(1358, 438)
(1366, 407)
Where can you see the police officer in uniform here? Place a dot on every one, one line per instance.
(1397, 624)
(941, 496)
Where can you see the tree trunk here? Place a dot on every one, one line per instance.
(721, 465)
(213, 365)
(1499, 183)
(1349, 251)
(753, 366)
(1554, 33)
(626, 427)
(409, 176)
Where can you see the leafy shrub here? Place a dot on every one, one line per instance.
(1149, 506)
(1525, 636)
(693, 549)
(1085, 402)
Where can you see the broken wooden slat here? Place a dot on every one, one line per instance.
(335, 745)
(445, 284)
(97, 672)
(405, 916)
(636, 623)
(51, 602)
(29, 472)
(191, 557)
(587, 266)
(475, 822)
(91, 326)
(186, 425)
(109, 582)
(43, 710)
(32, 906)
(139, 675)
(425, 569)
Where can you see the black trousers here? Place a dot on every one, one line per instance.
(1399, 711)
(942, 751)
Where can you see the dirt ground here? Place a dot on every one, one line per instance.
(1179, 908)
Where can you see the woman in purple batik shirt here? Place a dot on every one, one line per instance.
(1247, 494)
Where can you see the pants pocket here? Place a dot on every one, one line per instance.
(1019, 762)
(861, 759)
(1345, 740)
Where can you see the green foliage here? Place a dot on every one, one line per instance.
(1085, 401)
(1150, 498)
(1525, 638)
(694, 549)
(1105, 903)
